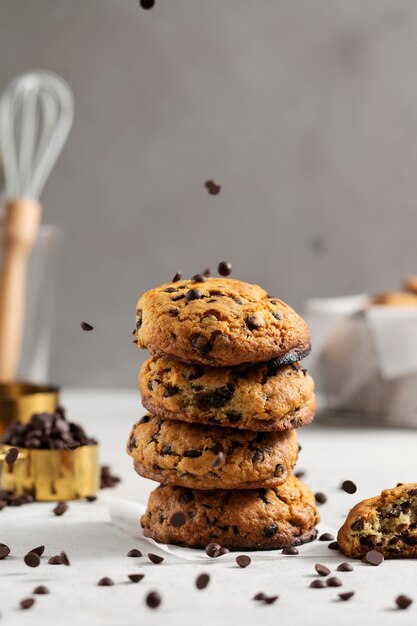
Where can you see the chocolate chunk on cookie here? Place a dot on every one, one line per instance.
(255, 519)
(228, 322)
(264, 397)
(204, 457)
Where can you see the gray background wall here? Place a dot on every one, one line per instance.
(304, 110)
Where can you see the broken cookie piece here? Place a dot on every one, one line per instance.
(387, 523)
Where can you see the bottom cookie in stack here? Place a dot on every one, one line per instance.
(255, 519)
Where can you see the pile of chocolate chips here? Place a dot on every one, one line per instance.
(47, 431)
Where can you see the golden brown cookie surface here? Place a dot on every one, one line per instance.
(209, 457)
(387, 523)
(257, 519)
(219, 322)
(258, 397)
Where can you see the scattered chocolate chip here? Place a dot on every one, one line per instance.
(11, 456)
(326, 537)
(91, 498)
(218, 460)
(202, 581)
(243, 560)
(86, 326)
(147, 4)
(27, 603)
(300, 474)
(39, 550)
(212, 187)
(317, 584)
(135, 578)
(153, 600)
(4, 551)
(198, 278)
(134, 553)
(403, 602)
(373, 557)
(215, 550)
(263, 597)
(105, 582)
(291, 550)
(41, 590)
(347, 595)
(64, 558)
(107, 479)
(155, 558)
(177, 277)
(32, 559)
(333, 581)
(320, 497)
(177, 519)
(224, 268)
(322, 570)
(60, 509)
(223, 550)
(344, 567)
(194, 294)
(260, 596)
(349, 486)
(55, 560)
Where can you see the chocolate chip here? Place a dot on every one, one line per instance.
(155, 558)
(270, 530)
(32, 559)
(60, 509)
(260, 596)
(317, 584)
(333, 545)
(64, 558)
(252, 322)
(224, 268)
(107, 479)
(171, 390)
(177, 277)
(41, 590)
(215, 399)
(403, 602)
(134, 553)
(344, 567)
(177, 298)
(215, 550)
(257, 456)
(173, 312)
(153, 600)
(27, 603)
(349, 486)
(194, 294)
(373, 557)
(357, 525)
(192, 454)
(177, 519)
(243, 560)
(202, 581)
(320, 497)
(213, 188)
(105, 582)
(263, 597)
(333, 582)
(86, 326)
(39, 550)
(55, 560)
(170, 290)
(322, 570)
(11, 456)
(4, 551)
(135, 578)
(299, 474)
(224, 550)
(277, 315)
(218, 460)
(207, 272)
(347, 595)
(326, 537)
(290, 550)
(198, 278)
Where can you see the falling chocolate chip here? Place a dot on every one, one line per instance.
(55, 560)
(347, 595)
(107, 479)
(86, 326)
(155, 558)
(333, 581)
(218, 460)
(177, 519)
(135, 578)
(153, 600)
(177, 277)
(212, 187)
(39, 550)
(202, 581)
(194, 294)
(344, 567)
(224, 268)
(326, 537)
(349, 486)
(4, 551)
(403, 602)
(32, 559)
(373, 557)
(60, 509)
(317, 584)
(105, 582)
(147, 4)
(290, 550)
(207, 272)
(27, 603)
(11, 456)
(134, 553)
(243, 560)
(320, 497)
(322, 570)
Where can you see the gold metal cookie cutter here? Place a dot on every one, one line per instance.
(52, 475)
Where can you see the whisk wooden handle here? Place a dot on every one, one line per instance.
(20, 229)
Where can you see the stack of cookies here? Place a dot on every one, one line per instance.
(225, 394)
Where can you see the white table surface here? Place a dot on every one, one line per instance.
(374, 459)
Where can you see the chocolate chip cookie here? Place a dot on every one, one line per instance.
(219, 322)
(387, 523)
(209, 457)
(253, 519)
(262, 397)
